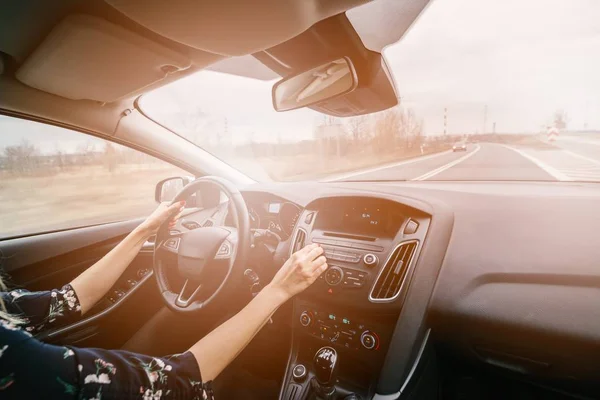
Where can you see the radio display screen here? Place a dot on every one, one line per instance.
(362, 218)
(368, 217)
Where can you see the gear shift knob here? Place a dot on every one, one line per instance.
(324, 363)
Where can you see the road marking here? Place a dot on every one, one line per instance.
(398, 164)
(552, 171)
(447, 166)
(579, 140)
(593, 161)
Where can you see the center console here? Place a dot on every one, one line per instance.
(371, 246)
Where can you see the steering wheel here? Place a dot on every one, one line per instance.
(200, 251)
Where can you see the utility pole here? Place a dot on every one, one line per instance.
(494, 127)
(445, 120)
(484, 119)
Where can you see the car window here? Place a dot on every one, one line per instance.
(53, 178)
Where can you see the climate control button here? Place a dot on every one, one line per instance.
(334, 276)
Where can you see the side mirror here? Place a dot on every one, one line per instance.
(167, 189)
(318, 84)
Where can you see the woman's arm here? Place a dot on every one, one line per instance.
(72, 373)
(95, 281)
(217, 349)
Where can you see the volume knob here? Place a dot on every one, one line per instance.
(305, 318)
(370, 260)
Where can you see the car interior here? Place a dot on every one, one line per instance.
(435, 290)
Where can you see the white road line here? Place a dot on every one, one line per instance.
(445, 167)
(398, 164)
(552, 171)
(579, 140)
(592, 160)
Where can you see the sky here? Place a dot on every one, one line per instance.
(519, 59)
(524, 59)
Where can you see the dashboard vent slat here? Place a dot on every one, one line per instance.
(299, 241)
(208, 223)
(392, 276)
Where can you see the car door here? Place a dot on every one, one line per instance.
(67, 199)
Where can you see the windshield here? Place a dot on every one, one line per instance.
(488, 90)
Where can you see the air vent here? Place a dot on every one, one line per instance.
(299, 241)
(208, 223)
(392, 276)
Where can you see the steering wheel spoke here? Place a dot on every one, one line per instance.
(188, 293)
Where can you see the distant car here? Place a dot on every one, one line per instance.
(460, 146)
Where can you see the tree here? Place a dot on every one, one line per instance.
(59, 160)
(397, 126)
(358, 128)
(110, 157)
(21, 158)
(86, 154)
(388, 128)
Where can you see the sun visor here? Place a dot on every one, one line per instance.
(85, 57)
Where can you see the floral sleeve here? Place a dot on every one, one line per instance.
(43, 310)
(30, 369)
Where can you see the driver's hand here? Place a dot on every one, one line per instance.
(300, 270)
(164, 212)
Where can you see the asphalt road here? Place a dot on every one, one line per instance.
(570, 159)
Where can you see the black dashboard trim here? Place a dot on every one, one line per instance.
(412, 322)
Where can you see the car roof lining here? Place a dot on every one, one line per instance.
(231, 27)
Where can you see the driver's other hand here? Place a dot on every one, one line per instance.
(300, 270)
(164, 212)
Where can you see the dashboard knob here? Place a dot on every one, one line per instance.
(370, 260)
(305, 318)
(334, 276)
(369, 340)
(299, 372)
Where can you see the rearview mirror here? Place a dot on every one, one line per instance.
(318, 84)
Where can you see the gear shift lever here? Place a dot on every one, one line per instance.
(324, 363)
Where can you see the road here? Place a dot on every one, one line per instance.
(569, 159)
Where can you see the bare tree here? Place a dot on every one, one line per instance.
(110, 157)
(358, 128)
(86, 154)
(21, 158)
(388, 128)
(397, 127)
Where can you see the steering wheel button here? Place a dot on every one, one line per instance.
(172, 243)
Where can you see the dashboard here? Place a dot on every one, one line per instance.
(500, 274)
(278, 216)
(489, 277)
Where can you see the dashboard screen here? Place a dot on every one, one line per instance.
(362, 218)
(274, 208)
(370, 218)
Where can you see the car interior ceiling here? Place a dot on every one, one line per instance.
(453, 325)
